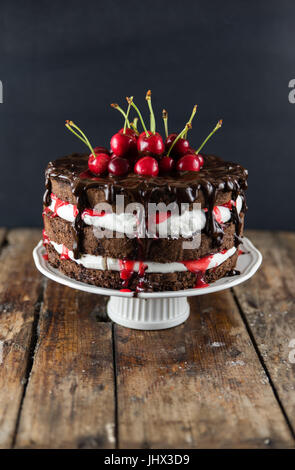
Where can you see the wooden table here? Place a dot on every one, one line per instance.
(69, 378)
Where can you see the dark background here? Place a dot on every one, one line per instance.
(70, 59)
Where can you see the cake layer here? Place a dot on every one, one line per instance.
(139, 281)
(69, 178)
(165, 223)
(159, 250)
(106, 263)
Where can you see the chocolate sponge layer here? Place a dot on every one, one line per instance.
(153, 281)
(160, 250)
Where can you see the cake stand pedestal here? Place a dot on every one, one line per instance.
(153, 310)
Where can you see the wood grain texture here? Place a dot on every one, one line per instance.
(70, 400)
(20, 288)
(268, 303)
(199, 385)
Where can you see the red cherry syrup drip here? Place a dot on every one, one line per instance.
(65, 253)
(217, 214)
(45, 238)
(229, 204)
(48, 212)
(159, 217)
(199, 267)
(127, 271)
(46, 241)
(201, 283)
(58, 203)
(93, 213)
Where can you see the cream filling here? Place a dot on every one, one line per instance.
(111, 264)
(185, 224)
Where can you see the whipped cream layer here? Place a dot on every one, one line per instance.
(185, 224)
(111, 264)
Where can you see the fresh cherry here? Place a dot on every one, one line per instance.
(147, 166)
(98, 150)
(118, 166)
(152, 143)
(129, 131)
(166, 164)
(169, 140)
(180, 148)
(98, 163)
(188, 162)
(201, 159)
(177, 144)
(123, 145)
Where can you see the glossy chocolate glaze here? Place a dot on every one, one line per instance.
(216, 176)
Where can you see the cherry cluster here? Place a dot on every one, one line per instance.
(146, 153)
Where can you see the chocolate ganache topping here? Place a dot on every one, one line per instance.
(204, 186)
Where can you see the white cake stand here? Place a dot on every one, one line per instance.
(153, 310)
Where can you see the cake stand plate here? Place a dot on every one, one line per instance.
(153, 310)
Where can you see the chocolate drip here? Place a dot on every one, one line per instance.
(204, 186)
(212, 227)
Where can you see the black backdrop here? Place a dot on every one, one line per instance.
(70, 59)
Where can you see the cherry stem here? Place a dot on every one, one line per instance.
(116, 106)
(133, 124)
(180, 135)
(70, 125)
(152, 116)
(77, 135)
(127, 114)
(192, 117)
(139, 115)
(218, 126)
(165, 119)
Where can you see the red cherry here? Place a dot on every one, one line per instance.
(166, 164)
(201, 159)
(123, 145)
(188, 163)
(98, 150)
(129, 131)
(169, 139)
(192, 151)
(98, 163)
(181, 147)
(118, 166)
(152, 144)
(147, 166)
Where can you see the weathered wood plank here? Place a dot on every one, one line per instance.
(268, 303)
(199, 385)
(20, 288)
(69, 401)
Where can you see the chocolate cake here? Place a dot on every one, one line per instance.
(189, 239)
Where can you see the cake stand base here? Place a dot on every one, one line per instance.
(148, 314)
